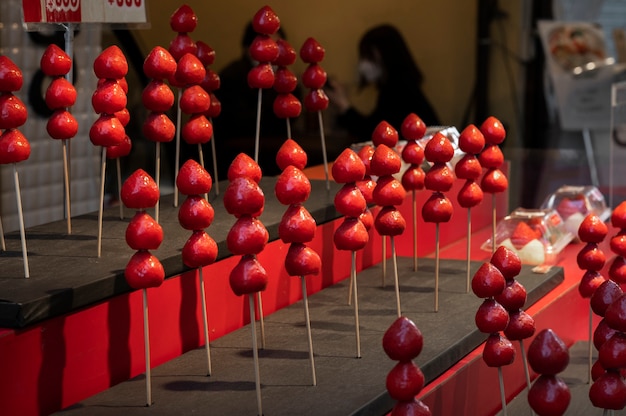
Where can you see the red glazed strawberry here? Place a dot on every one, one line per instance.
(107, 131)
(471, 140)
(189, 70)
(123, 116)
(248, 276)
(615, 314)
(439, 149)
(183, 19)
(121, 150)
(263, 49)
(140, 191)
(498, 351)
(385, 161)
(287, 106)
(244, 166)
(596, 370)
(494, 182)
(618, 216)
(617, 271)
(284, 80)
(143, 232)
(384, 133)
(348, 167)
(194, 100)
(410, 408)
(591, 257)
(513, 296)
(261, 76)
(439, 178)
(198, 129)
(158, 128)
(413, 178)
(13, 113)
(412, 128)
(265, 21)
(470, 194)
(491, 317)
(612, 354)
(179, 46)
(302, 261)
(493, 130)
(608, 391)
(403, 340)
(349, 201)
(437, 208)
(607, 293)
(193, 179)
(290, 153)
(108, 98)
(286, 53)
(243, 196)
(143, 271)
(521, 326)
(292, 186)
(60, 94)
(195, 213)
(549, 395)
(618, 243)
(215, 108)
(62, 125)
(365, 153)
(351, 235)
(111, 63)
(547, 353)
(507, 261)
(404, 381)
(389, 221)
(297, 225)
(14, 147)
(491, 157)
(314, 76)
(199, 250)
(602, 333)
(55, 62)
(413, 153)
(388, 191)
(366, 187)
(522, 234)
(568, 206)
(367, 218)
(590, 281)
(316, 100)
(592, 229)
(157, 96)
(11, 78)
(205, 53)
(311, 51)
(487, 281)
(211, 81)
(468, 167)
(122, 81)
(159, 64)
(247, 236)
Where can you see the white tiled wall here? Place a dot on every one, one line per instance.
(41, 176)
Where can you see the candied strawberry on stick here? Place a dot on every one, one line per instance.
(286, 105)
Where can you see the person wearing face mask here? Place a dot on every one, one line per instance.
(385, 62)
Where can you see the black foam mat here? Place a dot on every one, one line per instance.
(346, 385)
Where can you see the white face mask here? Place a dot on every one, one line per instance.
(369, 70)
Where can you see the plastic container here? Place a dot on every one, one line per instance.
(574, 203)
(537, 236)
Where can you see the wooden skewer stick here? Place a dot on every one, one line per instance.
(177, 152)
(118, 168)
(205, 322)
(468, 249)
(66, 180)
(255, 354)
(20, 215)
(288, 128)
(103, 167)
(502, 393)
(157, 178)
(146, 341)
(437, 267)
(384, 262)
(307, 320)
(216, 182)
(324, 154)
(257, 133)
(356, 306)
(2, 242)
(526, 372)
(395, 275)
(261, 322)
(414, 231)
(350, 289)
(590, 345)
(493, 223)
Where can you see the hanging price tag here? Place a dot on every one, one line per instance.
(84, 11)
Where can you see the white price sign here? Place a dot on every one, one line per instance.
(84, 11)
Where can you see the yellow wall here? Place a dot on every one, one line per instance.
(441, 35)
